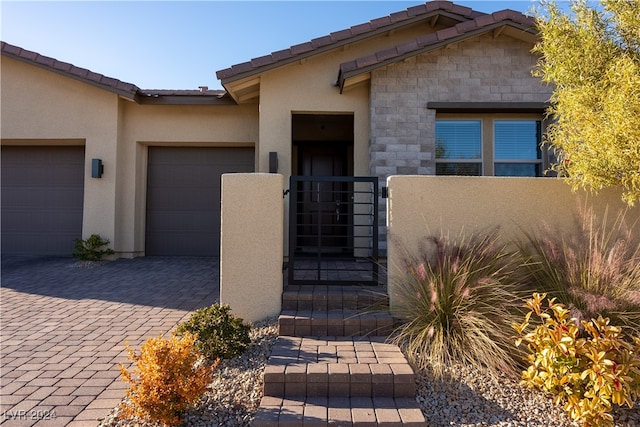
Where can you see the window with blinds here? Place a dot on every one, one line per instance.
(458, 147)
(517, 148)
(500, 147)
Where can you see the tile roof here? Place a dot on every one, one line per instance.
(356, 32)
(435, 40)
(127, 90)
(124, 89)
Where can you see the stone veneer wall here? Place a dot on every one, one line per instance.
(482, 69)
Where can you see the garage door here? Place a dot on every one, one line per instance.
(183, 197)
(42, 197)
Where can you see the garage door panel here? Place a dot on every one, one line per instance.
(46, 224)
(42, 199)
(39, 198)
(184, 221)
(183, 197)
(171, 199)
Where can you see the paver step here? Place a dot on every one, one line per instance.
(345, 322)
(337, 367)
(326, 297)
(339, 411)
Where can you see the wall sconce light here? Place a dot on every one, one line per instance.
(97, 168)
(273, 162)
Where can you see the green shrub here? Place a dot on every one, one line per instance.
(165, 379)
(594, 271)
(89, 249)
(457, 301)
(586, 374)
(220, 334)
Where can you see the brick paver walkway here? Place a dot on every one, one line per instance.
(63, 329)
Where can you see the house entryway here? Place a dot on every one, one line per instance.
(332, 237)
(333, 233)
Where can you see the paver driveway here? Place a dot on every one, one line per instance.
(63, 329)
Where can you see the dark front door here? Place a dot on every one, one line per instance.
(325, 215)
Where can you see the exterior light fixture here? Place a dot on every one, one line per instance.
(97, 168)
(273, 162)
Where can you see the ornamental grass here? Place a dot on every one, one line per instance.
(594, 271)
(457, 300)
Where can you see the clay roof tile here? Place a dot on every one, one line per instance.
(301, 48)
(417, 10)
(485, 20)
(427, 39)
(386, 54)
(340, 35)
(461, 10)
(321, 41)
(261, 61)
(399, 16)
(361, 28)
(281, 54)
(463, 27)
(365, 61)
(447, 33)
(408, 47)
(380, 22)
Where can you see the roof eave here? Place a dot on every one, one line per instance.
(343, 76)
(129, 94)
(338, 44)
(154, 99)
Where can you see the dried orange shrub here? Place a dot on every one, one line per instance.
(165, 379)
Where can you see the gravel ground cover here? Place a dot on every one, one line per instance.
(464, 397)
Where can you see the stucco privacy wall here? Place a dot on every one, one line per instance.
(481, 69)
(41, 107)
(420, 206)
(251, 244)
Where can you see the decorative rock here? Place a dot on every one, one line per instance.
(465, 397)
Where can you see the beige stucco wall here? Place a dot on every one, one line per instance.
(251, 245)
(42, 107)
(178, 126)
(420, 206)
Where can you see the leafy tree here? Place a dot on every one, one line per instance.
(591, 54)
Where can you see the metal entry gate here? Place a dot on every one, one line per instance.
(333, 230)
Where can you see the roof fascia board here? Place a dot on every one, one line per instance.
(121, 92)
(342, 77)
(357, 38)
(183, 100)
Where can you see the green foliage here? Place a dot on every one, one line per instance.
(89, 249)
(220, 334)
(594, 271)
(457, 301)
(593, 60)
(586, 374)
(165, 379)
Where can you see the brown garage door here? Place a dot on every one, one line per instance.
(183, 197)
(42, 196)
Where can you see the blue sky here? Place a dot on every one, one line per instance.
(180, 45)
